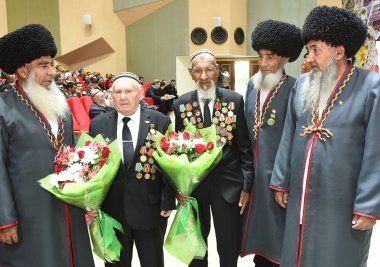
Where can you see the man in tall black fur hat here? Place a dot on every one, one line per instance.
(328, 158)
(36, 229)
(277, 43)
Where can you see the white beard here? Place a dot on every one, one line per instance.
(317, 87)
(208, 93)
(51, 102)
(267, 81)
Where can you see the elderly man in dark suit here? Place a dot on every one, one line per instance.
(139, 197)
(226, 188)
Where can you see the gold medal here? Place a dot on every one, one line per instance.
(217, 113)
(188, 114)
(143, 158)
(151, 160)
(223, 139)
(139, 175)
(153, 177)
(200, 125)
(222, 124)
(183, 115)
(224, 110)
(229, 128)
(215, 120)
(147, 176)
(218, 137)
(270, 122)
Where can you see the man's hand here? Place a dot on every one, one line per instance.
(182, 198)
(165, 213)
(281, 198)
(9, 235)
(243, 202)
(362, 223)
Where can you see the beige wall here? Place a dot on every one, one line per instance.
(337, 3)
(45, 12)
(3, 18)
(233, 14)
(105, 24)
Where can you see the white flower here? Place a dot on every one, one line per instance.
(90, 155)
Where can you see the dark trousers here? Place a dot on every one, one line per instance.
(149, 245)
(226, 218)
(260, 261)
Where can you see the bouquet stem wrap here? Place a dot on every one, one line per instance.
(91, 194)
(184, 240)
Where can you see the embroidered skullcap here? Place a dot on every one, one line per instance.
(335, 26)
(25, 45)
(281, 38)
(202, 51)
(129, 75)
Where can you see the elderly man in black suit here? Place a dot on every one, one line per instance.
(226, 188)
(139, 197)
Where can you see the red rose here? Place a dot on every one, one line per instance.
(210, 145)
(58, 168)
(172, 135)
(72, 149)
(81, 154)
(165, 146)
(163, 139)
(198, 136)
(105, 152)
(103, 161)
(200, 149)
(87, 143)
(186, 136)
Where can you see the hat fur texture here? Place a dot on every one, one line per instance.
(335, 26)
(281, 38)
(25, 45)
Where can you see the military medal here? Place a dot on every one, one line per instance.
(151, 160)
(270, 122)
(182, 108)
(143, 150)
(143, 158)
(189, 107)
(147, 176)
(138, 167)
(231, 105)
(195, 104)
(139, 175)
(183, 115)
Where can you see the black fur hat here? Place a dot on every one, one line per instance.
(281, 38)
(25, 45)
(335, 26)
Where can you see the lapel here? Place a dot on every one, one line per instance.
(111, 125)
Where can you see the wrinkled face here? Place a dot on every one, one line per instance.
(204, 71)
(126, 95)
(319, 54)
(98, 98)
(270, 62)
(43, 69)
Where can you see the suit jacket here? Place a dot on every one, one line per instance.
(235, 170)
(138, 193)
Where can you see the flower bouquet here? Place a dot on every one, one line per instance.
(82, 177)
(187, 158)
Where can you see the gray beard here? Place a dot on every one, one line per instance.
(317, 88)
(206, 93)
(51, 102)
(267, 81)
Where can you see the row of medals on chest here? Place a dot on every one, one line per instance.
(146, 167)
(224, 119)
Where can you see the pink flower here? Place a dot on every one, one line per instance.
(198, 136)
(165, 146)
(172, 135)
(87, 143)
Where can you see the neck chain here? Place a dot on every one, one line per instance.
(57, 142)
(317, 122)
(259, 118)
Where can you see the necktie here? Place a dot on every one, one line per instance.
(128, 151)
(206, 113)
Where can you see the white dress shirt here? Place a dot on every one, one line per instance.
(133, 124)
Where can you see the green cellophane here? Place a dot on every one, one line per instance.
(184, 240)
(91, 194)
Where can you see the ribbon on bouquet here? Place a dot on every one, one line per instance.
(103, 236)
(184, 239)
